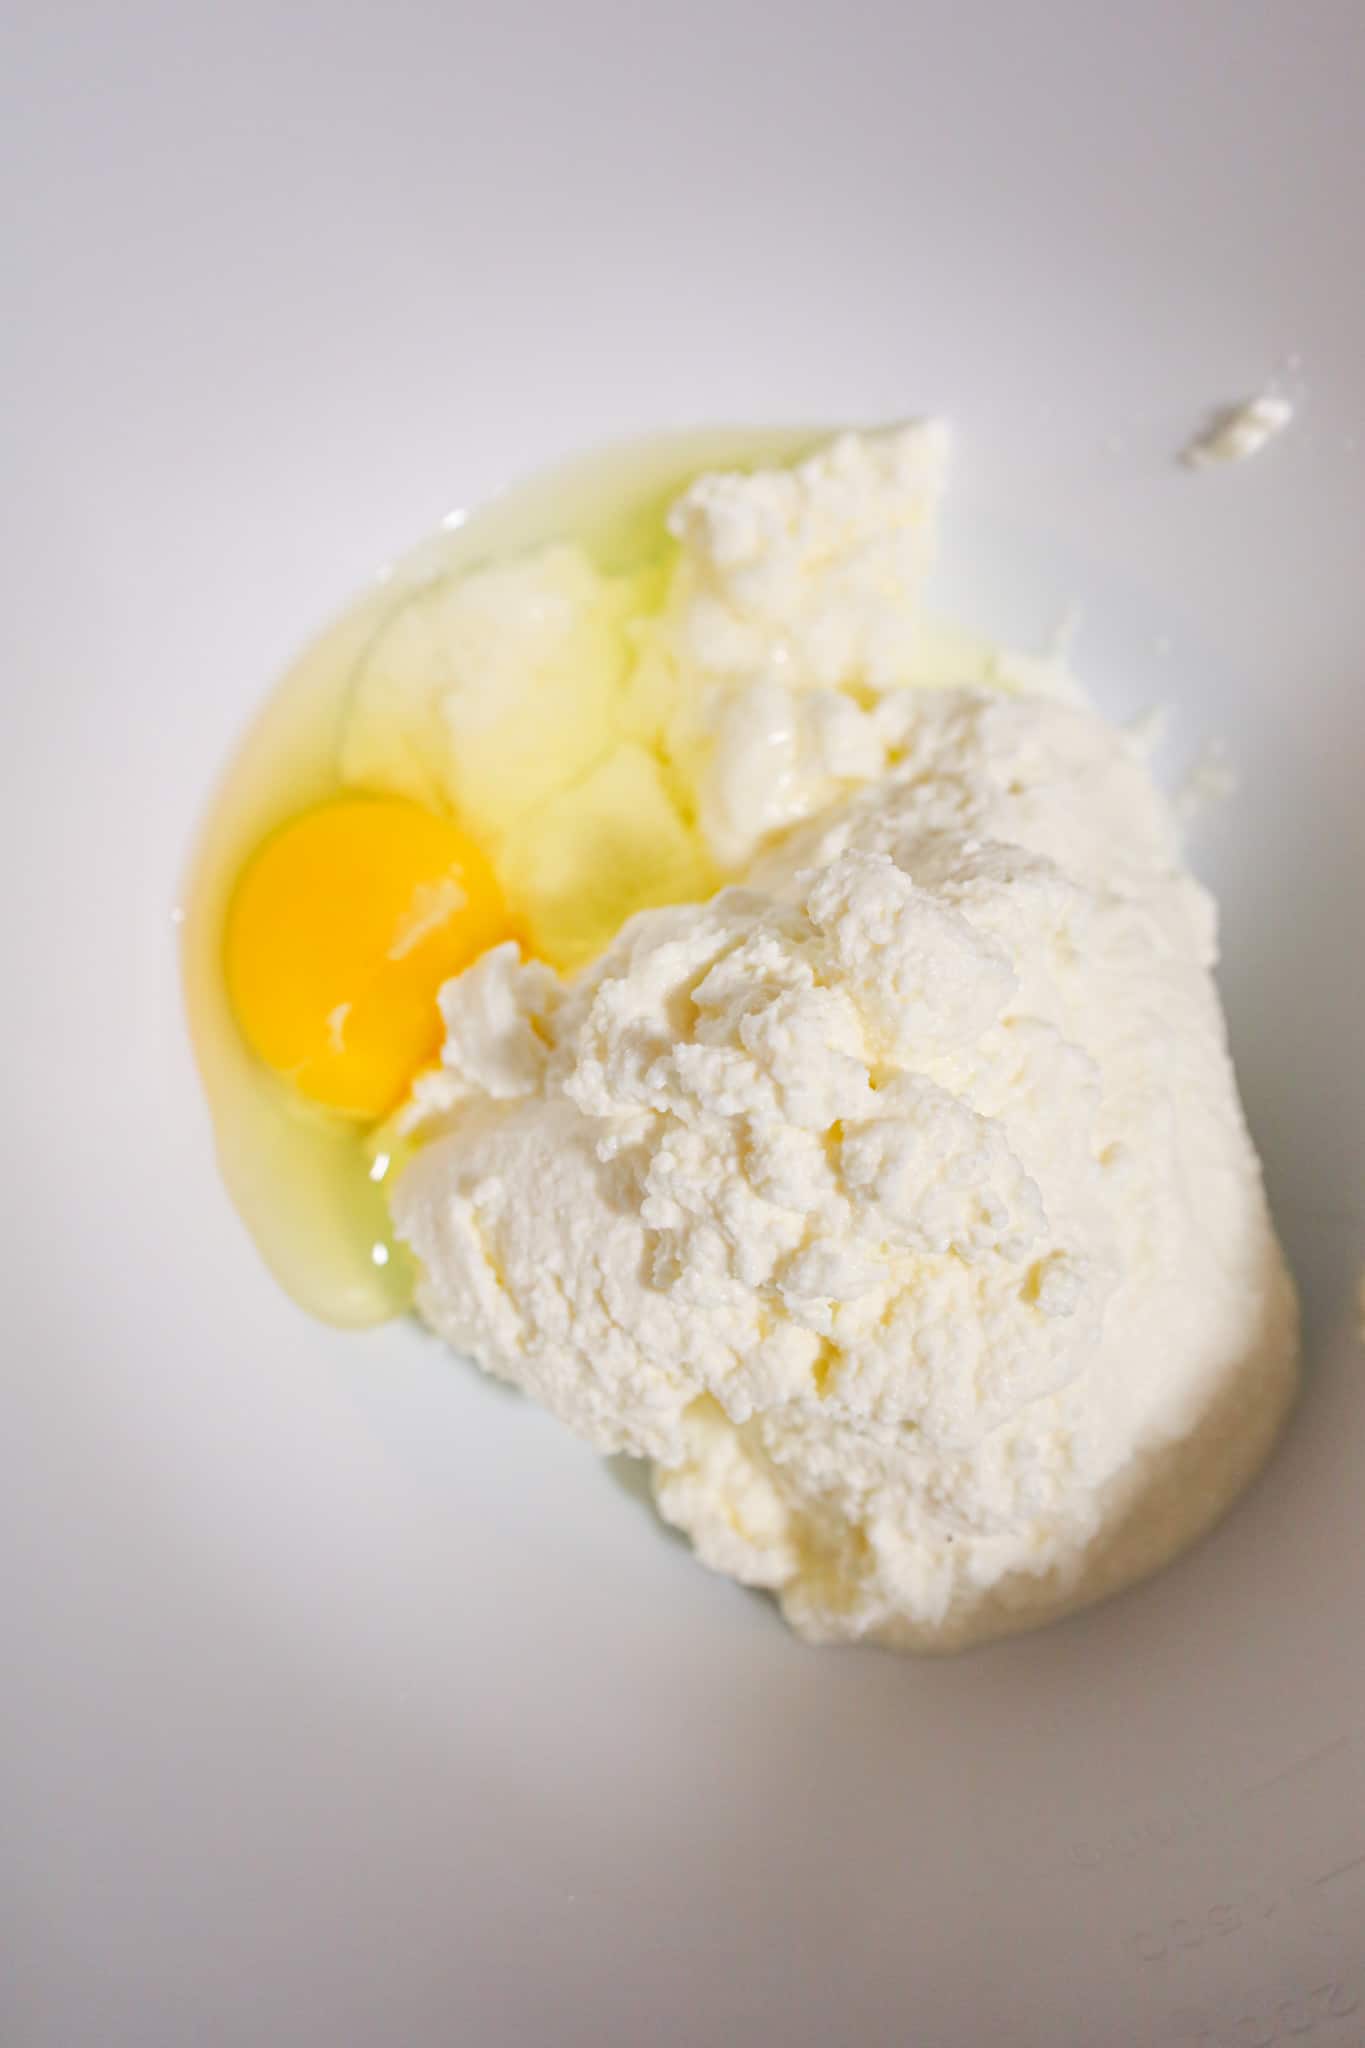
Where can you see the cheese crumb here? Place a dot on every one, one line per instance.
(1239, 431)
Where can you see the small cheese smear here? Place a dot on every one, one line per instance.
(1240, 431)
(896, 1202)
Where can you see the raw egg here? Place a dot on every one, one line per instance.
(340, 933)
(412, 793)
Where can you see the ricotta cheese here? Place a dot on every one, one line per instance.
(793, 611)
(896, 1202)
(1240, 431)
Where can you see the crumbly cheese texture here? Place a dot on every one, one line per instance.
(776, 677)
(622, 740)
(896, 1202)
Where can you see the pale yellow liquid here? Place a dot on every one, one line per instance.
(310, 1187)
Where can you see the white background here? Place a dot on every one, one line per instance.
(345, 1701)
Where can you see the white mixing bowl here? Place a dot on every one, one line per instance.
(347, 1700)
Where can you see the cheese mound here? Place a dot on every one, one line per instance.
(896, 1201)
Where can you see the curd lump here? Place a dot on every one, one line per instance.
(896, 1199)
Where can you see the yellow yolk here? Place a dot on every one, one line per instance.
(342, 928)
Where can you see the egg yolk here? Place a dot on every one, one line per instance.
(343, 925)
